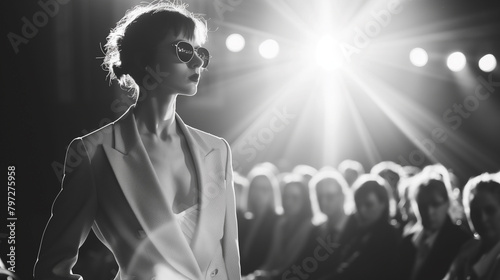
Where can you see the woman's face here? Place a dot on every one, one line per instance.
(330, 198)
(293, 200)
(485, 215)
(433, 209)
(171, 74)
(260, 194)
(369, 209)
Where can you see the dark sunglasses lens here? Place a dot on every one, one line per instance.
(204, 55)
(185, 51)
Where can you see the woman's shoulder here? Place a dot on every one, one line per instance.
(102, 135)
(96, 137)
(210, 139)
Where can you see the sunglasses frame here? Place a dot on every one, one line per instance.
(195, 52)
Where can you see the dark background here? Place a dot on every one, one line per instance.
(54, 90)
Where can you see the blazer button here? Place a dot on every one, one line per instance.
(214, 272)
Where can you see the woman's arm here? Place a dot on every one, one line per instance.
(72, 217)
(231, 250)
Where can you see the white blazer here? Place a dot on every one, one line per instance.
(110, 186)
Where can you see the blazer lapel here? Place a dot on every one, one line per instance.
(210, 170)
(139, 183)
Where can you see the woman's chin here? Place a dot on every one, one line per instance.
(189, 92)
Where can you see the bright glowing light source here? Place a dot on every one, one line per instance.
(456, 61)
(328, 55)
(419, 57)
(235, 42)
(269, 49)
(488, 63)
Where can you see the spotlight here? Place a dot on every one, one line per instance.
(328, 54)
(269, 49)
(488, 63)
(419, 57)
(235, 42)
(456, 61)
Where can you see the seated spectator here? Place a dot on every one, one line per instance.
(292, 230)
(456, 210)
(392, 173)
(331, 195)
(260, 218)
(479, 259)
(330, 192)
(351, 170)
(370, 241)
(427, 253)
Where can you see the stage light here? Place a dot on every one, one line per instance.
(328, 55)
(269, 49)
(419, 57)
(488, 63)
(235, 42)
(456, 61)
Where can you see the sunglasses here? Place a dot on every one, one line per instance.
(185, 52)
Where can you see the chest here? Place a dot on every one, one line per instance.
(174, 167)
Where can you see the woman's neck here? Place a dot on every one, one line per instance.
(155, 114)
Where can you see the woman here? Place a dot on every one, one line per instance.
(369, 240)
(479, 259)
(332, 196)
(331, 193)
(427, 252)
(155, 191)
(261, 216)
(291, 231)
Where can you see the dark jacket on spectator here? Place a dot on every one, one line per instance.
(367, 253)
(444, 249)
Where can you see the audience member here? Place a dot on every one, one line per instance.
(261, 216)
(371, 243)
(479, 259)
(292, 230)
(332, 196)
(426, 253)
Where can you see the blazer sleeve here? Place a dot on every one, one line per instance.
(72, 217)
(230, 243)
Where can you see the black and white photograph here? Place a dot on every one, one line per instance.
(250, 140)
